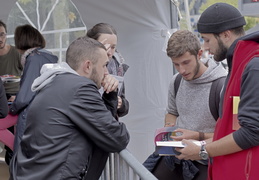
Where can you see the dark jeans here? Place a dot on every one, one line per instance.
(9, 152)
(162, 172)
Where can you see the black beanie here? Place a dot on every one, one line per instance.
(220, 17)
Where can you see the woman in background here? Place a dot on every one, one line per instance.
(106, 34)
(30, 42)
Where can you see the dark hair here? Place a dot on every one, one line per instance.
(26, 37)
(3, 25)
(101, 28)
(239, 31)
(81, 49)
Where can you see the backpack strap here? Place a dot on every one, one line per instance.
(177, 83)
(214, 98)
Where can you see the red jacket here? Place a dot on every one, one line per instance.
(242, 165)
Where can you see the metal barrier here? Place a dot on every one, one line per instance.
(124, 166)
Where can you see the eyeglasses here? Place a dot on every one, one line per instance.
(2, 35)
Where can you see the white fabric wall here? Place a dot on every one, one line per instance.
(139, 24)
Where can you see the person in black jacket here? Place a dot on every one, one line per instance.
(30, 42)
(69, 120)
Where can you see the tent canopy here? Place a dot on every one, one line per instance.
(142, 28)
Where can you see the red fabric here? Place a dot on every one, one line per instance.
(6, 136)
(241, 165)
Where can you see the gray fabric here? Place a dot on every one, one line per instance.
(48, 72)
(10, 65)
(193, 98)
(117, 66)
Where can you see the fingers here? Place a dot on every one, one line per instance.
(103, 41)
(189, 152)
(107, 46)
(11, 99)
(110, 83)
(178, 134)
(177, 138)
(119, 102)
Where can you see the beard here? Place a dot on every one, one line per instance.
(95, 78)
(2, 44)
(221, 52)
(196, 70)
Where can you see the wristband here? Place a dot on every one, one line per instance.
(201, 136)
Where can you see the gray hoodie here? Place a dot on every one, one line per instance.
(191, 104)
(48, 72)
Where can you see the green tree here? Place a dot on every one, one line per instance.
(250, 21)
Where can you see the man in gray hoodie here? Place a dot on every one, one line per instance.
(70, 127)
(189, 107)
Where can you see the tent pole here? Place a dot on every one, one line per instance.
(187, 12)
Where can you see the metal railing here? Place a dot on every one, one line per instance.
(124, 166)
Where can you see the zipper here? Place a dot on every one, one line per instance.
(248, 164)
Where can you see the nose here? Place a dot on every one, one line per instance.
(106, 71)
(206, 46)
(109, 53)
(181, 69)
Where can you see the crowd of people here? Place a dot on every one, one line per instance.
(68, 112)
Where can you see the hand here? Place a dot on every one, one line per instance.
(185, 134)
(11, 99)
(119, 102)
(109, 83)
(107, 46)
(189, 152)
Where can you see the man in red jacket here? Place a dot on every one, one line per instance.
(235, 145)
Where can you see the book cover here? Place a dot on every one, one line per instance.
(235, 122)
(165, 145)
(163, 135)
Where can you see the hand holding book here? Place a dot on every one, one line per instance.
(190, 151)
(165, 140)
(185, 134)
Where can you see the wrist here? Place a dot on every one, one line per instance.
(203, 152)
(201, 136)
(169, 124)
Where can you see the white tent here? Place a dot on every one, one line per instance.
(142, 33)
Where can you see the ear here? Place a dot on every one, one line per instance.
(200, 54)
(226, 36)
(87, 67)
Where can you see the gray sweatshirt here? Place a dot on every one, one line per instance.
(48, 72)
(191, 103)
